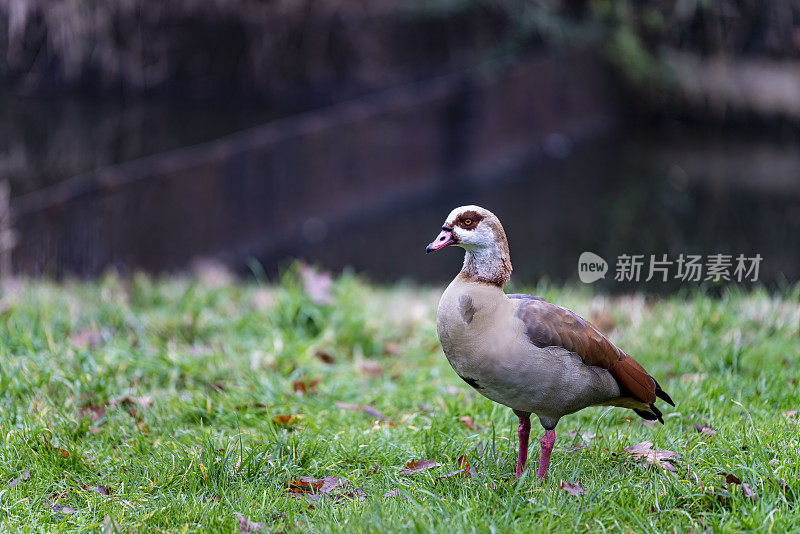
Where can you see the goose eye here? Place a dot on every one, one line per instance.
(467, 222)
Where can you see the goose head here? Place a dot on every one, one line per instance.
(479, 232)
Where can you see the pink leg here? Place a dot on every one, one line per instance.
(548, 440)
(523, 432)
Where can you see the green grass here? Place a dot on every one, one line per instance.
(219, 359)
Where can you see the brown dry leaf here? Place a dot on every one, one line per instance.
(706, 430)
(575, 488)
(316, 284)
(287, 420)
(418, 466)
(392, 348)
(790, 413)
(130, 401)
(324, 356)
(102, 489)
(86, 337)
(371, 369)
(730, 478)
(604, 322)
(59, 508)
(93, 412)
(644, 451)
(248, 527)
(22, 478)
(63, 452)
(330, 488)
(464, 469)
(306, 386)
(468, 422)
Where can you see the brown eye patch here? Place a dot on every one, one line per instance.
(469, 220)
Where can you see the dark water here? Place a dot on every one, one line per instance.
(653, 192)
(673, 190)
(44, 141)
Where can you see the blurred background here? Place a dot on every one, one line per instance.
(151, 135)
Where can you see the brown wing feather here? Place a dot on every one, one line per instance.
(549, 325)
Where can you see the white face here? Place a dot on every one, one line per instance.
(471, 227)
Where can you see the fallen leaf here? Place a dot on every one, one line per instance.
(129, 401)
(790, 413)
(306, 386)
(604, 321)
(468, 422)
(418, 466)
(86, 337)
(644, 451)
(324, 356)
(287, 420)
(102, 489)
(464, 469)
(316, 284)
(575, 488)
(58, 508)
(63, 452)
(392, 348)
(371, 369)
(730, 478)
(247, 527)
(330, 488)
(305, 484)
(22, 478)
(95, 413)
(706, 430)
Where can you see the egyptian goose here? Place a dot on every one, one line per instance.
(521, 350)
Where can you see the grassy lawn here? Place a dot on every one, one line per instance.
(176, 404)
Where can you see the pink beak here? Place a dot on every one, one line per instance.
(442, 240)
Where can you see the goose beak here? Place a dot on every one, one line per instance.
(445, 238)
